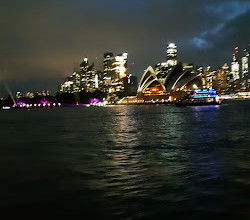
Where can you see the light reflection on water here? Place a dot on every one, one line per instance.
(127, 162)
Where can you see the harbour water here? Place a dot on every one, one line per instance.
(126, 162)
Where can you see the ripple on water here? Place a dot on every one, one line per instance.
(127, 162)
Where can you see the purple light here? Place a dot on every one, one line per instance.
(45, 102)
(93, 101)
(20, 102)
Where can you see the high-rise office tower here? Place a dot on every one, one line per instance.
(235, 68)
(108, 66)
(244, 65)
(96, 81)
(84, 65)
(171, 54)
(87, 75)
(220, 82)
(209, 78)
(229, 78)
(130, 85)
(120, 65)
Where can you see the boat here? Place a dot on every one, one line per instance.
(200, 97)
(6, 107)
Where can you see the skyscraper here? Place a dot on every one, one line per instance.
(171, 54)
(120, 65)
(84, 65)
(209, 78)
(244, 71)
(108, 67)
(220, 83)
(235, 68)
(115, 69)
(85, 80)
(163, 69)
(87, 74)
(244, 64)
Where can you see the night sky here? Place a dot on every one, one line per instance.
(43, 41)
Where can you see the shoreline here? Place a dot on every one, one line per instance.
(110, 105)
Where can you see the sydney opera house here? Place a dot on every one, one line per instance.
(178, 79)
(168, 81)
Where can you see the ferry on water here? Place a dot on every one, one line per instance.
(200, 97)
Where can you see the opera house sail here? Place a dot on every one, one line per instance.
(178, 79)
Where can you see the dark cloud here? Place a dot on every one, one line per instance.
(43, 41)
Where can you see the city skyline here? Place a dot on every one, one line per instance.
(41, 50)
(239, 60)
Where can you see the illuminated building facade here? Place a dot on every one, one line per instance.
(76, 79)
(19, 95)
(87, 76)
(245, 71)
(130, 85)
(87, 79)
(120, 65)
(115, 70)
(235, 68)
(177, 80)
(199, 70)
(67, 86)
(150, 87)
(163, 69)
(84, 65)
(29, 95)
(220, 82)
(229, 78)
(244, 64)
(149, 83)
(108, 68)
(171, 54)
(208, 78)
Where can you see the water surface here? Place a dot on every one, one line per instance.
(126, 162)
